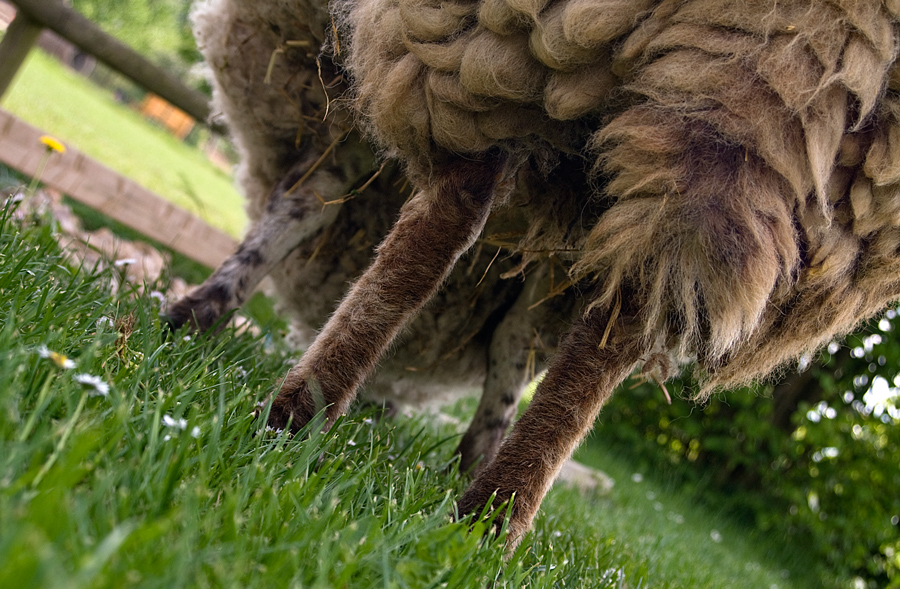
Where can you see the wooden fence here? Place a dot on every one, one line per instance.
(36, 15)
(82, 178)
(117, 197)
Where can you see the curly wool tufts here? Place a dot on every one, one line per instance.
(748, 151)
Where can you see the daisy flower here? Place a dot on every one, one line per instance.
(169, 421)
(99, 386)
(58, 359)
(179, 425)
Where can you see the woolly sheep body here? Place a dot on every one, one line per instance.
(788, 240)
(719, 179)
(439, 360)
(269, 85)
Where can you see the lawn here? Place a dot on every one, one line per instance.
(165, 480)
(71, 108)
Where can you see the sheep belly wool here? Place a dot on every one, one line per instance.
(747, 154)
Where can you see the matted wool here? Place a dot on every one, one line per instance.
(549, 44)
(593, 24)
(571, 95)
(429, 21)
(445, 57)
(500, 17)
(501, 66)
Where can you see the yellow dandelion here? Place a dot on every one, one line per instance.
(53, 144)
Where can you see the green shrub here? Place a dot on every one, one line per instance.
(826, 475)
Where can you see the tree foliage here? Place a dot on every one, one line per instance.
(159, 29)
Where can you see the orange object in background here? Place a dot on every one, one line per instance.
(178, 122)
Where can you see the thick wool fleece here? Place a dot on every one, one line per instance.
(748, 151)
(264, 78)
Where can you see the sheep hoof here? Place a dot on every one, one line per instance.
(493, 511)
(206, 309)
(290, 410)
(478, 448)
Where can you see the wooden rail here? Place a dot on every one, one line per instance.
(104, 190)
(77, 175)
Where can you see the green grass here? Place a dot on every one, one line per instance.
(72, 109)
(665, 526)
(98, 491)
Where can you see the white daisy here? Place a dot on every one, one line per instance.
(60, 360)
(169, 421)
(99, 386)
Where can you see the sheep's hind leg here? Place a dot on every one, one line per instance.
(580, 379)
(293, 214)
(434, 229)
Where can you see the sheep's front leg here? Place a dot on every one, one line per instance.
(293, 214)
(434, 229)
(580, 379)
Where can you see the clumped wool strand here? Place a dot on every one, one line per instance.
(501, 66)
(572, 95)
(749, 150)
(499, 16)
(592, 24)
(551, 47)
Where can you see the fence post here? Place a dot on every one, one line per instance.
(20, 37)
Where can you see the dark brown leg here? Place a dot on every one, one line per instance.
(434, 229)
(580, 379)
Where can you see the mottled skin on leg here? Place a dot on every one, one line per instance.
(294, 213)
(581, 377)
(516, 351)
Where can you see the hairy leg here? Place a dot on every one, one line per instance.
(580, 379)
(434, 229)
(292, 215)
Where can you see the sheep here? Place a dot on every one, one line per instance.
(482, 332)
(736, 191)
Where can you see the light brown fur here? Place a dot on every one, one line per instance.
(729, 117)
(739, 143)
